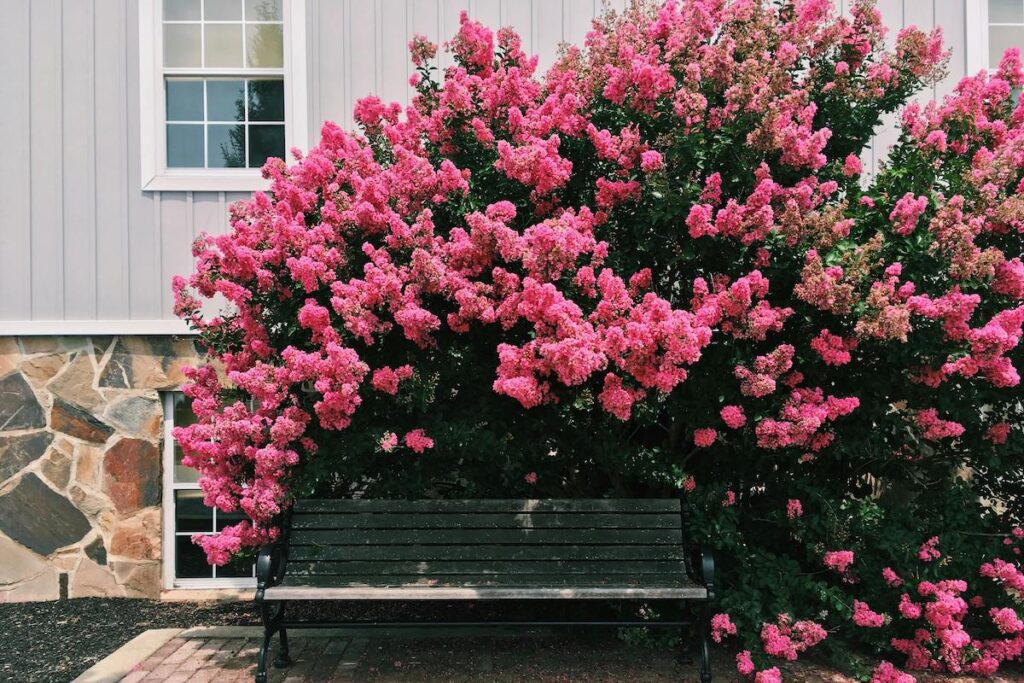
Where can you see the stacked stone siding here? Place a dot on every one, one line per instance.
(81, 423)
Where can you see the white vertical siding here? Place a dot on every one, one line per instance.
(80, 241)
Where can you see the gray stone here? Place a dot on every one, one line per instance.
(39, 518)
(136, 415)
(73, 421)
(19, 408)
(96, 551)
(57, 467)
(117, 373)
(18, 451)
(74, 384)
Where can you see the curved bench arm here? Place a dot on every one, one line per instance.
(704, 560)
(270, 567)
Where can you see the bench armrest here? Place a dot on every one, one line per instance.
(270, 567)
(704, 562)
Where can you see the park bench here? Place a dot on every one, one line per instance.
(630, 549)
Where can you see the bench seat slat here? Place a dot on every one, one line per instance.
(391, 537)
(495, 567)
(636, 505)
(485, 520)
(506, 580)
(496, 552)
(691, 592)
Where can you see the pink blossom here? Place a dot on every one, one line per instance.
(733, 417)
(417, 440)
(530, 478)
(744, 663)
(852, 165)
(887, 673)
(772, 675)
(864, 617)
(839, 560)
(928, 550)
(721, 626)
(998, 433)
(906, 212)
(794, 508)
(705, 437)
(891, 577)
(389, 442)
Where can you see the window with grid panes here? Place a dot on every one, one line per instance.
(189, 516)
(223, 80)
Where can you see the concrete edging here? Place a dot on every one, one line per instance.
(121, 661)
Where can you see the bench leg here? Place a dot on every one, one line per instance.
(283, 659)
(272, 623)
(704, 630)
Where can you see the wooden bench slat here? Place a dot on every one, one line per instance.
(483, 593)
(477, 580)
(471, 567)
(486, 536)
(486, 520)
(637, 505)
(495, 552)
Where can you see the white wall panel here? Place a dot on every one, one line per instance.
(80, 241)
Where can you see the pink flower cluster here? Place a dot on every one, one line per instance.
(786, 639)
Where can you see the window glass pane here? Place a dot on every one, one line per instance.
(229, 518)
(264, 45)
(183, 415)
(263, 10)
(181, 45)
(226, 146)
(236, 569)
(266, 100)
(223, 10)
(265, 142)
(181, 10)
(223, 45)
(1006, 11)
(225, 100)
(190, 515)
(1001, 38)
(184, 99)
(184, 145)
(190, 560)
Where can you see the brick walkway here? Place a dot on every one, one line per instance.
(224, 660)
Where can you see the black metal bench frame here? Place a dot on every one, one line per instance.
(272, 565)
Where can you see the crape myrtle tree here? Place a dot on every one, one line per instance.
(660, 265)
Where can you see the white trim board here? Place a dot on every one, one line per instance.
(72, 328)
(152, 143)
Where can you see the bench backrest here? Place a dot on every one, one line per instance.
(458, 541)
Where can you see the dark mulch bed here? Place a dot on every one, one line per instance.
(57, 641)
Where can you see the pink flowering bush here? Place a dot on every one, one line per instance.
(659, 265)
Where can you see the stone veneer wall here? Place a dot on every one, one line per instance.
(81, 423)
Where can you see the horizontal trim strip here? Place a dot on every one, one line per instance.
(70, 328)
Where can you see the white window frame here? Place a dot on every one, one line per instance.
(976, 36)
(170, 581)
(152, 107)
(977, 30)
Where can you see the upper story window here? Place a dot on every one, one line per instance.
(223, 89)
(1005, 28)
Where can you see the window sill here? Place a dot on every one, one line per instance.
(205, 594)
(206, 182)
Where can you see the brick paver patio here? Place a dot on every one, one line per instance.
(225, 660)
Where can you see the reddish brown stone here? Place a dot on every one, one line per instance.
(132, 475)
(74, 421)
